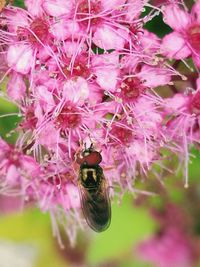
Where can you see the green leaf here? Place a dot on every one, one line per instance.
(194, 166)
(8, 121)
(19, 3)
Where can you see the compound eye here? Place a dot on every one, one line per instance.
(91, 158)
(94, 158)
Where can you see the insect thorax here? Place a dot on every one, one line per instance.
(91, 176)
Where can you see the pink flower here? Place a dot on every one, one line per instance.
(171, 246)
(99, 18)
(168, 249)
(27, 37)
(56, 188)
(16, 168)
(184, 40)
(183, 112)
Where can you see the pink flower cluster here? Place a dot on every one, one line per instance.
(85, 72)
(172, 245)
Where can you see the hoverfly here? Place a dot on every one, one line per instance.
(95, 201)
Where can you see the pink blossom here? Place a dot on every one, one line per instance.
(183, 112)
(170, 248)
(16, 168)
(171, 245)
(184, 40)
(57, 190)
(21, 55)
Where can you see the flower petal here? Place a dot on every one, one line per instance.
(34, 7)
(107, 38)
(30, 166)
(107, 78)
(150, 42)
(174, 46)
(76, 90)
(58, 7)
(48, 136)
(17, 18)
(12, 175)
(64, 29)
(198, 83)
(176, 18)
(176, 103)
(95, 95)
(155, 76)
(112, 4)
(20, 58)
(105, 68)
(72, 48)
(111, 60)
(134, 8)
(16, 87)
(45, 98)
(196, 11)
(196, 59)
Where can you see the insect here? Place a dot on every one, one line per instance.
(93, 190)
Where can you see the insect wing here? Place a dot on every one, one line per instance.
(96, 206)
